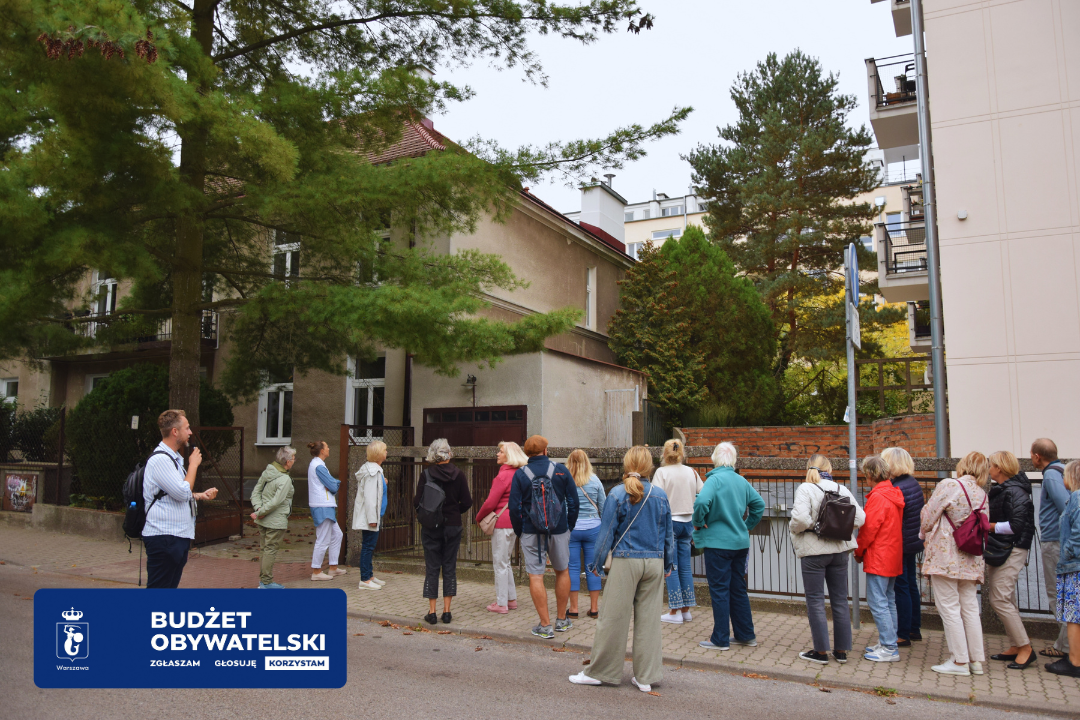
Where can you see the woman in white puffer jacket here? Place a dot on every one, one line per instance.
(824, 562)
(368, 510)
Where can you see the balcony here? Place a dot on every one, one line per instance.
(893, 106)
(902, 269)
(157, 338)
(918, 318)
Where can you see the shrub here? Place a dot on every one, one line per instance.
(100, 442)
(7, 422)
(36, 433)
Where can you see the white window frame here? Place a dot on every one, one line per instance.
(4, 397)
(264, 408)
(290, 250)
(662, 235)
(384, 239)
(628, 216)
(352, 384)
(632, 249)
(89, 381)
(590, 298)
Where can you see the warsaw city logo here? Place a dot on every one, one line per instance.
(72, 637)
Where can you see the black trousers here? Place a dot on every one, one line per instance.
(440, 553)
(166, 556)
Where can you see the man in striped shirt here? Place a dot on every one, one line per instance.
(170, 502)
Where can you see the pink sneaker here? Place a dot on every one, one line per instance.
(512, 605)
(496, 608)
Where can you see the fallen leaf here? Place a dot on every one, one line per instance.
(236, 556)
(254, 559)
(73, 565)
(653, 693)
(406, 633)
(446, 632)
(755, 676)
(483, 637)
(558, 649)
(2, 562)
(478, 649)
(395, 626)
(891, 702)
(358, 634)
(824, 689)
(586, 662)
(385, 623)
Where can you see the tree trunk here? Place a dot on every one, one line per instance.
(792, 317)
(186, 350)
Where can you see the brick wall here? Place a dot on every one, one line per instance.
(915, 433)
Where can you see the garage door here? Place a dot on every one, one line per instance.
(476, 426)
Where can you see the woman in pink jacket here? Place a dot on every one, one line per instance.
(510, 457)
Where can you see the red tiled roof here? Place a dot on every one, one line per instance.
(417, 139)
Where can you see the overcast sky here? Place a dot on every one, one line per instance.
(690, 57)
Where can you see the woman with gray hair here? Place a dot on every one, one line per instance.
(725, 511)
(272, 501)
(441, 539)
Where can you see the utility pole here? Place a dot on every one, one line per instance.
(937, 340)
(854, 340)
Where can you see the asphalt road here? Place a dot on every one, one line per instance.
(392, 675)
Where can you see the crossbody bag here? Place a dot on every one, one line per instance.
(607, 562)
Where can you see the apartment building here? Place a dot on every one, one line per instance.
(1004, 85)
(654, 220)
(573, 392)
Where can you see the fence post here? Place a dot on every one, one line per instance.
(468, 520)
(343, 490)
(60, 454)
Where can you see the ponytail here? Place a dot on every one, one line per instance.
(818, 467)
(637, 463)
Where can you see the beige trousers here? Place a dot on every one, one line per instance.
(635, 588)
(958, 606)
(1001, 582)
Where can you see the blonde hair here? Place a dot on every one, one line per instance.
(976, 465)
(1005, 461)
(875, 468)
(725, 455)
(816, 465)
(376, 451)
(898, 461)
(638, 460)
(674, 452)
(1072, 476)
(580, 468)
(515, 456)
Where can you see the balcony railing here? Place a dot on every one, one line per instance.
(894, 80)
(905, 247)
(208, 330)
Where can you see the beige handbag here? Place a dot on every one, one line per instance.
(488, 523)
(607, 562)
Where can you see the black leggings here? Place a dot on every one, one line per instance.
(440, 553)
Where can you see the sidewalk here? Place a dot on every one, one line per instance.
(780, 637)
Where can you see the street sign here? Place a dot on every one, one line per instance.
(855, 332)
(852, 279)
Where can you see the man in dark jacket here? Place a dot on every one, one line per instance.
(537, 546)
(908, 596)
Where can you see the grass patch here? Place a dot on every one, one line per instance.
(885, 692)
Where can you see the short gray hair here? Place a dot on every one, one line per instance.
(439, 451)
(725, 455)
(285, 454)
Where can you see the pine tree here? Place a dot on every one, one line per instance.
(169, 142)
(781, 189)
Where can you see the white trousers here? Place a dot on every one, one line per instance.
(958, 606)
(327, 537)
(502, 546)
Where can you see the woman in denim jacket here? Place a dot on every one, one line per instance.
(1068, 574)
(636, 529)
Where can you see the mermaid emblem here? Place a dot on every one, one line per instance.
(72, 637)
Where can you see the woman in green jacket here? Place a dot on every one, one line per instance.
(725, 511)
(272, 501)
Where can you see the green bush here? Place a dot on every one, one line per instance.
(37, 433)
(7, 422)
(100, 442)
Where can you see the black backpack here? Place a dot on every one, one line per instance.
(429, 509)
(135, 515)
(836, 516)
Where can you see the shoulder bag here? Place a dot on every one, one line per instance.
(970, 535)
(607, 562)
(488, 523)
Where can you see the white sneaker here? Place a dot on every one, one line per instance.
(673, 618)
(641, 686)
(873, 648)
(319, 576)
(377, 581)
(582, 679)
(976, 668)
(686, 616)
(883, 655)
(369, 585)
(951, 668)
(338, 571)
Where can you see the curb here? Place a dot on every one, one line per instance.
(728, 668)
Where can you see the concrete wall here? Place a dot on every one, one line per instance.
(35, 384)
(1005, 81)
(574, 401)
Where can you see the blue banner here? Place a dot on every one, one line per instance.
(190, 638)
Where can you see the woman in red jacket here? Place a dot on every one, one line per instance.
(881, 551)
(510, 457)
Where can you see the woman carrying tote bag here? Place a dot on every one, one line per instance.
(636, 531)
(493, 516)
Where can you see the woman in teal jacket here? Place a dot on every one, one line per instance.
(725, 511)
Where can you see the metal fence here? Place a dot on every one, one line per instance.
(905, 248)
(894, 80)
(223, 468)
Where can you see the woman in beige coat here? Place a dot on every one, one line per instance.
(954, 573)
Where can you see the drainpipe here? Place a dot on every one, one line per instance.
(937, 341)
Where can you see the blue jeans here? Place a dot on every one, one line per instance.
(727, 589)
(367, 553)
(680, 585)
(881, 597)
(583, 540)
(908, 600)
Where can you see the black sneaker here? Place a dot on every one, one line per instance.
(446, 617)
(431, 619)
(841, 657)
(815, 657)
(1063, 667)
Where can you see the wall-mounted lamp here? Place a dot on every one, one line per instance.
(470, 382)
